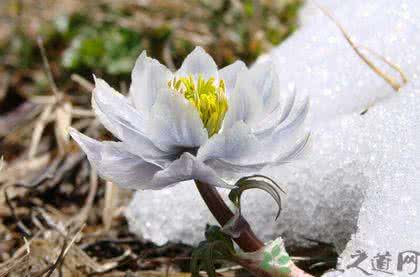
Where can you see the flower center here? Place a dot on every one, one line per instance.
(207, 96)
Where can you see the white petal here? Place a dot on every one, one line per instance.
(187, 167)
(237, 151)
(244, 104)
(229, 170)
(126, 123)
(116, 164)
(147, 79)
(287, 140)
(256, 99)
(237, 145)
(229, 74)
(289, 129)
(288, 105)
(106, 101)
(266, 81)
(276, 117)
(198, 62)
(175, 122)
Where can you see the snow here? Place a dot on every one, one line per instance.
(389, 217)
(353, 157)
(324, 66)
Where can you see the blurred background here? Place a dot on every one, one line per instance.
(105, 37)
(49, 50)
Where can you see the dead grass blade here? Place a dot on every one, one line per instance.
(38, 130)
(47, 68)
(64, 250)
(84, 213)
(110, 204)
(9, 265)
(63, 121)
(390, 80)
(88, 86)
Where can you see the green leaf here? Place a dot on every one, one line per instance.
(217, 246)
(214, 233)
(256, 182)
(267, 256)
(275, 251)
(283, 259)
(265, 265)
(108, 48)
(196, 257)
(285, 270)
(249, 8)
(208, 261)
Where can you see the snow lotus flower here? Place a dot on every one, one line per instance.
(197, 123)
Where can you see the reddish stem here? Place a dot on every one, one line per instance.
(247, 241)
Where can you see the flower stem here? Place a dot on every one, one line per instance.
(247, 241)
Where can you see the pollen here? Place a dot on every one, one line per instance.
(207, 95)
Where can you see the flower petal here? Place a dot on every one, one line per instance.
(106, 101)
(229, 74)
(230, 170)
(238, 151)
(116, 164)
(244, 104)
(198, 62)
(187, 167)
(289, 129)
(276, 117)
(266, 81)
(175, 123)
(236, 144)
(256, 96)
(126, 123)
(147, 79)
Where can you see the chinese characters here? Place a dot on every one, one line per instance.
(384, 262)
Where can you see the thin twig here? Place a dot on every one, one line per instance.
(81, 113)
(167, 57)
(110, 202)
(26, 231)
(15, 119)
(38, 130)
(88, 86)
(83, 215)
(15, 261)
(47, 67)
(230, 268)
(41, 99)
(391, 81)
(63, 117)
(66, 247)
(404, 78)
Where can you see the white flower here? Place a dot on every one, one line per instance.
(197, 123)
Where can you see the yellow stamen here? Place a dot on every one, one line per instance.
(207, 96)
